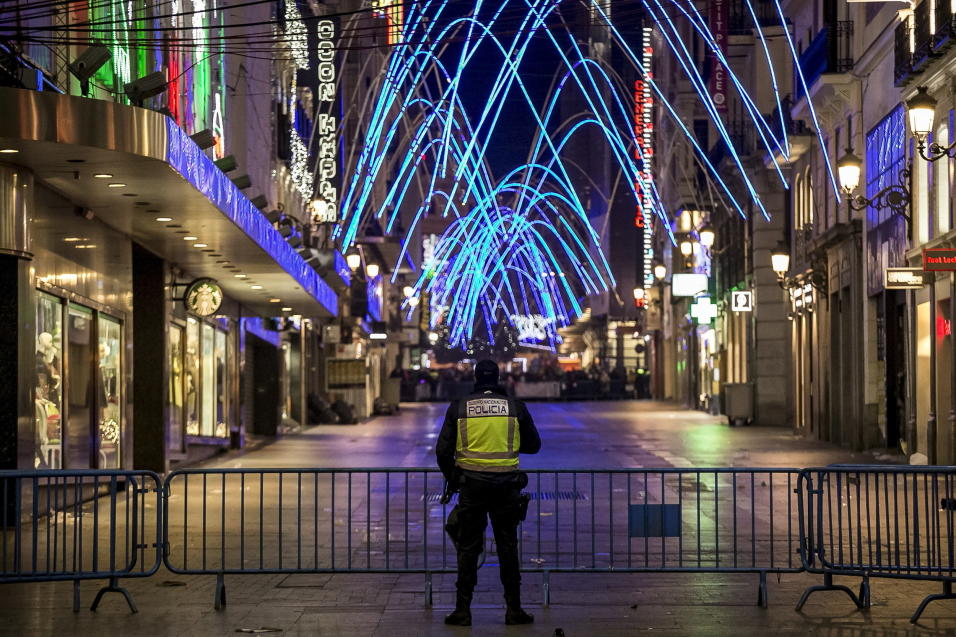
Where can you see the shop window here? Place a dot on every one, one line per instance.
(109, 394)
(191, 380)
(222, 429)
(207, 421)
(79, 387)
(205, 380)
(48, 397)
(175, 397)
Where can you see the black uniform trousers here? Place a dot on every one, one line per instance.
(479, 500)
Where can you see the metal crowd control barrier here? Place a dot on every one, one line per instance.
(243, 521)
(76, 525)
(879, 521)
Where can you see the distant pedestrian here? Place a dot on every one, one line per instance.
(477, 452)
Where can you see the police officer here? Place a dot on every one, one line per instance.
(478, 453)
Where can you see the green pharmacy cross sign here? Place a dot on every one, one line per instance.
(703, 310)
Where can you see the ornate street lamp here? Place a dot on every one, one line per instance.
(371, 270)
(780, 261)
(922, 113)
(354, 261)
(707, 236)
(895, 196)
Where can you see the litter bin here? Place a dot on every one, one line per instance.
(739, 403)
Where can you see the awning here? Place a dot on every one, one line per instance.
(66, 140)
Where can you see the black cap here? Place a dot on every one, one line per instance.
(486, 373)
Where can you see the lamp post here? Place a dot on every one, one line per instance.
(921, 112)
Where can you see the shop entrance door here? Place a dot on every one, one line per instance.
(895, 343)
(79, 388)
(263, 361)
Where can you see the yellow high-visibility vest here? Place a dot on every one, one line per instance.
(488, 435)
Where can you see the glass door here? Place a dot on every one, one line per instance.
(79, 387)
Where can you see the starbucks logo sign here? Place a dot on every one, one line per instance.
(203, 297)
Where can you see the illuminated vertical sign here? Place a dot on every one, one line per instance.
(327, 167)
(644, 154)
(718, 19)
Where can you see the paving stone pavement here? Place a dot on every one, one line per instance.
(575, 435)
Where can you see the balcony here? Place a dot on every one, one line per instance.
(741, 20)
(829, 52)
(919, 40)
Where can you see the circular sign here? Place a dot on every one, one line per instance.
(203, 297)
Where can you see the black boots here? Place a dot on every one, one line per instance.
(515, 614)
(461, 616)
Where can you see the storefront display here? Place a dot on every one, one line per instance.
(109, 392)
(49, 385)
(174, 440)
(204, 379)
(78, 393)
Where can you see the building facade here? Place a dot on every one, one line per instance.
(174, 285)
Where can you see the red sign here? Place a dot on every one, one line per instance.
(718, 19)
(643, 133)
(939, 259)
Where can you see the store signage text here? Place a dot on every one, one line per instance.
(944, 328)
(742, 301)
(688, 283)
(644, 154)
(905, 278)
(327, 169)
(939, 259)
(203, 297)
(719, 23)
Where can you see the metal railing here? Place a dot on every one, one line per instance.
(76, 525)
(235, 521)
(875, 521)
(845, 520)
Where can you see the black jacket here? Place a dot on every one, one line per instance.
(447, 439)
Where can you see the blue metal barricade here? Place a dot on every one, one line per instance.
(243, 521)
(879, 521)
(77, 525)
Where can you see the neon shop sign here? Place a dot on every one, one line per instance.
(327, 169)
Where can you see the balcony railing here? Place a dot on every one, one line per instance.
(919, 40)
(829, 52)
(742, 21)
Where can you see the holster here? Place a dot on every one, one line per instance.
(523, 501)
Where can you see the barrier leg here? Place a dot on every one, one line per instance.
(828, 585)
(946, 594)
(220, 591)
(76, 596)
(546, 588)
(428, 589)
(762, 590)
(865, 591)
(114, 587)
